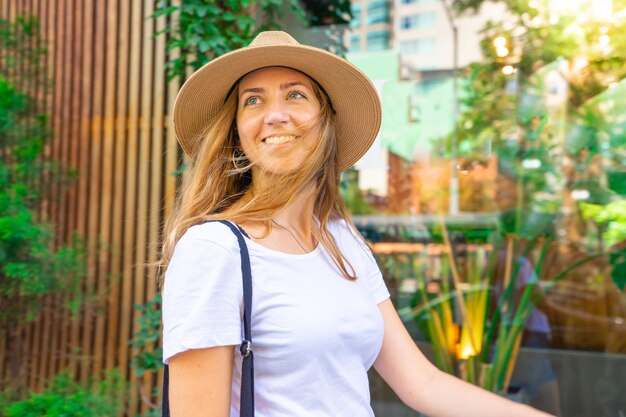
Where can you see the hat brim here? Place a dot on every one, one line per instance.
(353, 96)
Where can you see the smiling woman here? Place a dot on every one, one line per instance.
(278, 119)
(269, 129)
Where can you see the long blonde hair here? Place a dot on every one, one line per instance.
(219, 176)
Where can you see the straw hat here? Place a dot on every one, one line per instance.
(354, 98)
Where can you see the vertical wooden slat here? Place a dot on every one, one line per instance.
(120, 173)
(171, 150)
(40, 352)
(171, 154)
(76, 76)
(57, 45)
(158, 134)
(55, 112)
(12, 11)
(32, 352)
(61, 135)
(156, 168)
(23, 353)
(62, 334)
(3, 338)
(3, 332)
(95, 163)
(144, 177)
(58, 330)
(130, 198)
(85, 142)
(64, 92)
(106, 186)
(4, 16)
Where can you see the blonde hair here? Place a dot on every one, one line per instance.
(216, 181)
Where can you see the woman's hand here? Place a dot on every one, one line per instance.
(200, 382)
(424, 388)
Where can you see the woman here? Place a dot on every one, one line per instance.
(269, 129)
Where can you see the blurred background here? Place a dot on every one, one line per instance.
(494, 197)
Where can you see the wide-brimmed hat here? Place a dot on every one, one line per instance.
(352, 94)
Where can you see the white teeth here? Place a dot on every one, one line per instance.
(277, 140)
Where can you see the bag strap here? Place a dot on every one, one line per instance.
(246, 405)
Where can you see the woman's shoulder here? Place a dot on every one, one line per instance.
(204, 247)
(344, 232)
(339, 225)
(211, 233)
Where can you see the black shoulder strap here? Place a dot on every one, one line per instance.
(247, 369)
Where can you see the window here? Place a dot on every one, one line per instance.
(378, 40)
(356, 16)
(416, 1)
(320, 14)
(418, 21)
(355, 43)
(377, 12)
(418, 46)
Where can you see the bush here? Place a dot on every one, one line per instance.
(65, 398)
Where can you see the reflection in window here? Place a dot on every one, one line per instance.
(416, 1)
(356, 16)
(418, 46)
(377, 12)
(355, 43)
(418, 21)
(378, 40)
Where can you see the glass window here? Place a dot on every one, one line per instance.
(418, 46)
(507, 214)
(416, 1)
(355, 43)
(356, 16)
(378, 40)
(377, 12)
(418, 21)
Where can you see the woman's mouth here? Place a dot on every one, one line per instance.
(277, 140)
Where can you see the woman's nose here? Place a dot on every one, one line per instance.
(276, 114)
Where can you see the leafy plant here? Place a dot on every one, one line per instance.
(205, 29)
(31, 268)
(352, 195)
(476, 317)
(65, 398)
(148, 359)
(612, 220)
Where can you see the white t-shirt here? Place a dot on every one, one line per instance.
(315, 333)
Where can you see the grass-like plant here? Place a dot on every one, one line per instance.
(470, 337)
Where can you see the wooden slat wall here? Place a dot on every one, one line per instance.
(109, 110)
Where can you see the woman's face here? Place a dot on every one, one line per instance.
(276, 109)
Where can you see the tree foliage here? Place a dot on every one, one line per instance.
(201, 30)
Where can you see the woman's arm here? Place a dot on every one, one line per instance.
(200, 382)
(424, 388)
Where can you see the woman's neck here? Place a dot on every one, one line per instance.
(299, 215)
(291, 228)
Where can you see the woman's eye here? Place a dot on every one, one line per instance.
(250, 101)
(296, 95)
